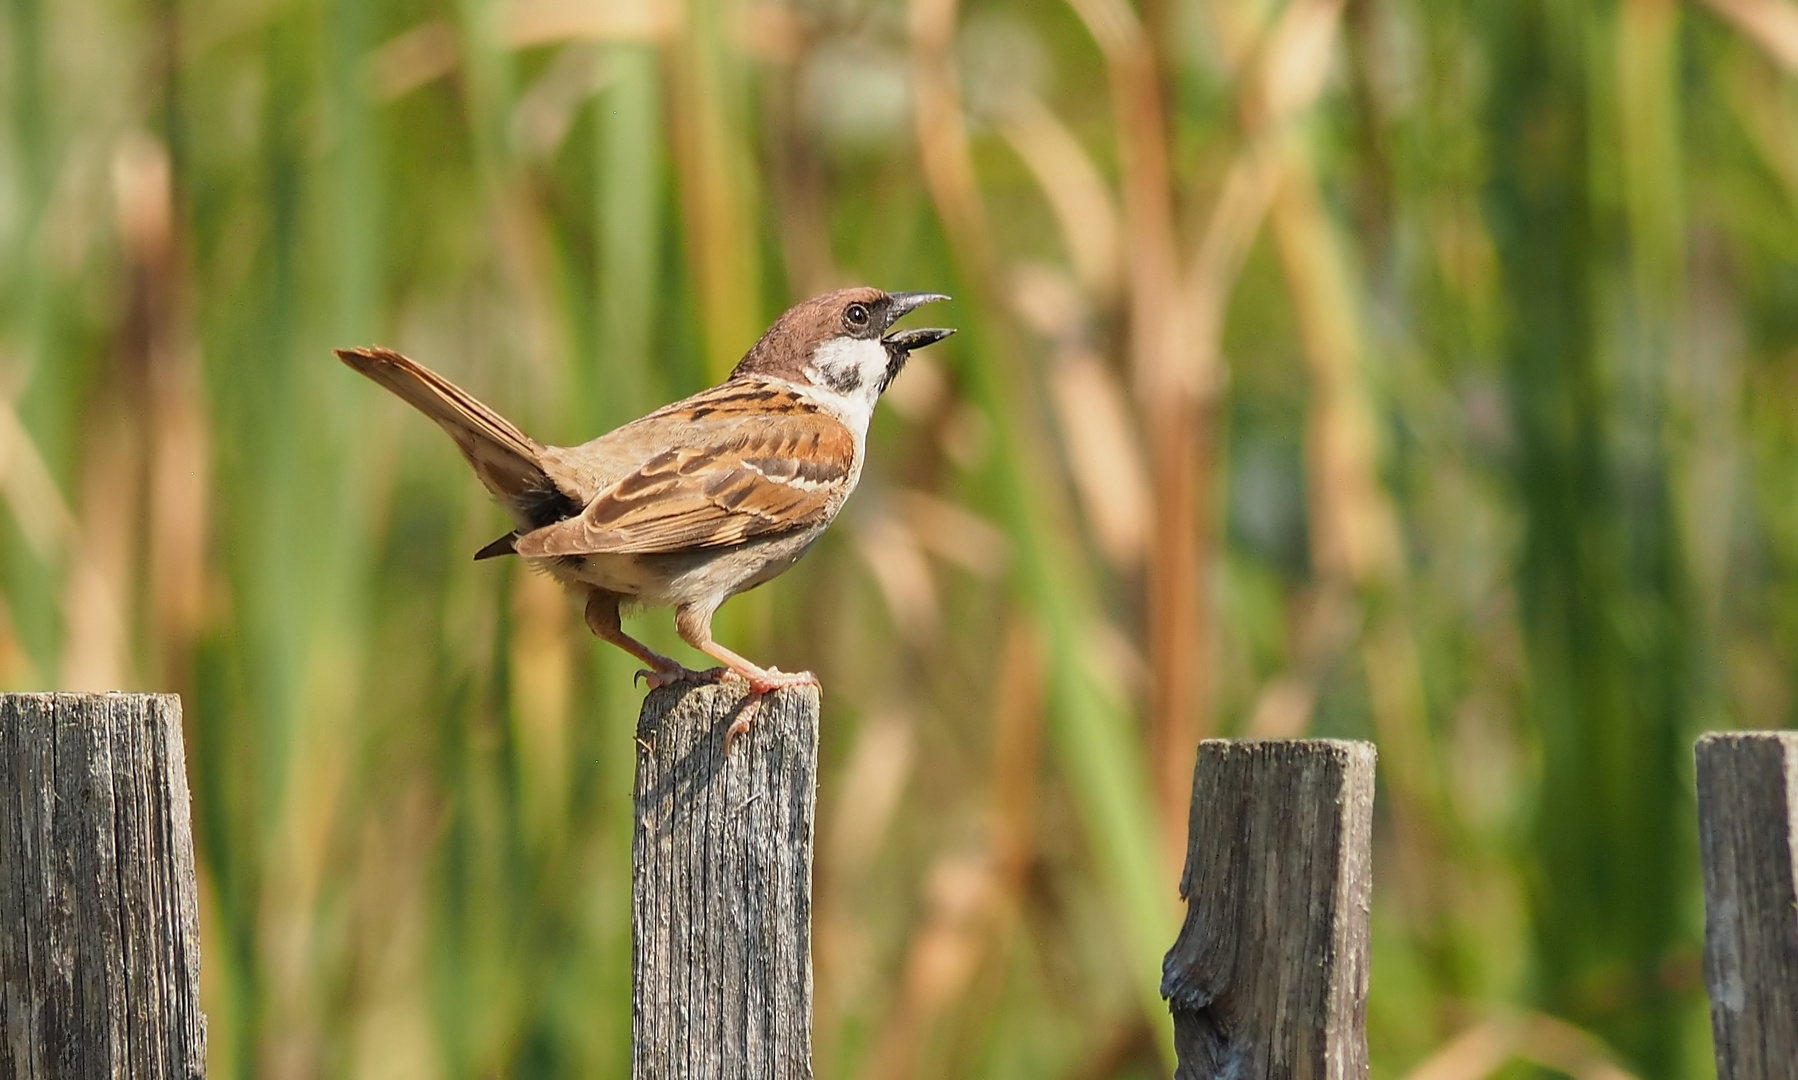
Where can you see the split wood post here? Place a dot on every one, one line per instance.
(99, 922)
(721, 887)
(1747, 826)
(1269, 975)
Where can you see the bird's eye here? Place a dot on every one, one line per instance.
(857, 315)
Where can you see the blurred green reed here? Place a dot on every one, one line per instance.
(1416, 372)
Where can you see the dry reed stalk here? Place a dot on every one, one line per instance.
(1653, 175)
(1772, 24)
(1488, 1046)
(866, 795)
(542, 655)
(1354, 525)
(517, 225)
(943, 137)
(872, 784)
(799, 184)
(974, 898)
(1284, 81)
(717, 185)
(1178, 428)
(628, 150)
(100, 575)
(291, 945)
(388, 1014)
(1017, 758)
(1093, 735)
(1104, 457)
(1076, 191)
(429, 51)
(31, 491)
(1182, 405)
(1127, 1046)
(895, 560)
(531, 23)
(1355, 534)
(1329, 620)
(953, 533)
(160, 353)
(1132, 69)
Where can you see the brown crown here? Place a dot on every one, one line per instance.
(784, 349)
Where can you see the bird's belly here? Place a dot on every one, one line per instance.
(639, 576)
(673, 578)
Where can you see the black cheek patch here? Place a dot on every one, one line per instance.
(844, 380)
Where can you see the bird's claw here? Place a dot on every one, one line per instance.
(768, 681)
(740, 724)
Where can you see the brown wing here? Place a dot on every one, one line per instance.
(743, 474)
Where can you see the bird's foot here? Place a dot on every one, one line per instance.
(656, 678)
(761, 681)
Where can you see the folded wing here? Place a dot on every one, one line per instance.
(740, 474)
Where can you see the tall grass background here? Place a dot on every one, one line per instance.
(1421, 372)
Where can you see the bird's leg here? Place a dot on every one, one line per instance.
(603, 620)
(694, 624)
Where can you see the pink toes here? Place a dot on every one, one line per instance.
(762, 683)
(775, 679)
(655, 679)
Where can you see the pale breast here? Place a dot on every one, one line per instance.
(675, 578)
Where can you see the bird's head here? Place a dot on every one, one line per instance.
(840, 342)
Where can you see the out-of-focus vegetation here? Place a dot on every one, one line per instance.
(1417, 371)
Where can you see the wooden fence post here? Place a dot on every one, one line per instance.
(721, 891)
(99, 923)
(1269, 975)
(1747, 825)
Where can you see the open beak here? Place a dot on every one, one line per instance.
(902, 304)
(916, 339)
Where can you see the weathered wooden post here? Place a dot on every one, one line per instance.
(1269, 975)
(99, 923)
(1747, 826)
(721, 893)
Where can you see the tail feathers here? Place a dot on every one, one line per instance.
(505, 458)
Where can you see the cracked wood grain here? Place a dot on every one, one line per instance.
(1747, 825)
(99, 923)
(721, 867)
(1268, 978)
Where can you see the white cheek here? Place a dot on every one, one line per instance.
(867, 361)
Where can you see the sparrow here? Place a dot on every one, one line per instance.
(702, 499)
